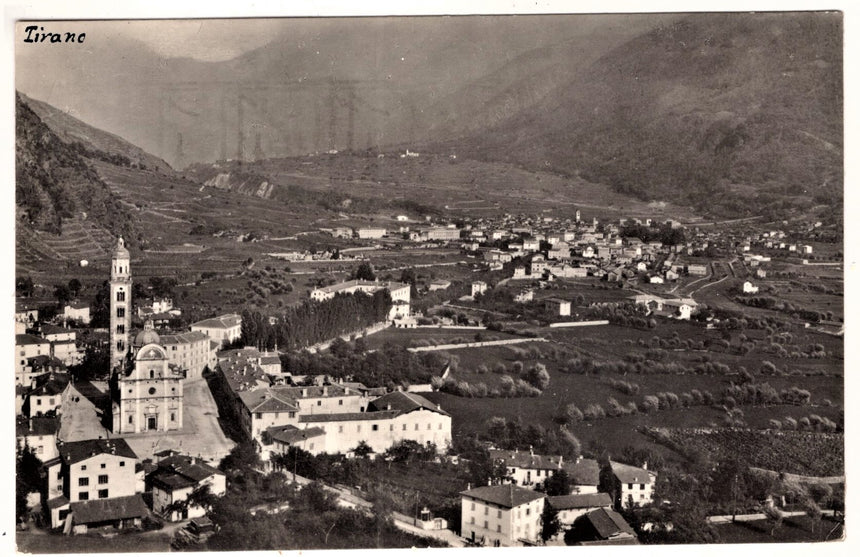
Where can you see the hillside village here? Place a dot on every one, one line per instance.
(582, 284)
(68, 416)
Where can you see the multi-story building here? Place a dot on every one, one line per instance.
(400, 293)
(28, 346)
(92, 483)
(501, 515)
(571, 507)
(191, 352)
(370, 233)
(77, 311)
(224, 329)
(40, 435)
(175, 482)
(633, 486)
(392, 418)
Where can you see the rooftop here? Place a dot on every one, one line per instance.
(508, 496)
(404, 402)
(609, 523)
(631, 474)
(580, 501)
(227, 321)
(76, 451)
(103, 510)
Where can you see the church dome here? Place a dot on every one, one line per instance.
(146, 336)
(121, 252)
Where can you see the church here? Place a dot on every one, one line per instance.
(146, 390)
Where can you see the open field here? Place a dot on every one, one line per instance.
(793, 529)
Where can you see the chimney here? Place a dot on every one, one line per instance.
(31, 424)
(304, 392)
(325, 391)
(531, 450)
(388, 407)
(645, 465)
(560, 461)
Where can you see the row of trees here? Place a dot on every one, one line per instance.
(389, 366)
(312, 322)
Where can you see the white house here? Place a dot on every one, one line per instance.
(93, 483)
(77, 311)
(748, 288)
(478, 287)
(223, 329)
(558, 306)
(389, 419)
(633, 486)
(501, 515)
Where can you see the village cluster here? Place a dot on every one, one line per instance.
(116, 452)
(101, 469)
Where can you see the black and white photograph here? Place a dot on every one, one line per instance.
(452, 280)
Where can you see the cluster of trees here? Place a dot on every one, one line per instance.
(626, 387)
(662, 233)
(513, 434)
(312, 322)
(769, 302)
(526, 382)
(763, 394)
(812, 422)
(640, 365)
(389, 366)
(313, 519)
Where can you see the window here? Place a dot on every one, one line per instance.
(258, 415)
(404, 427)
(83, 466)
(498, 527)
(120, 296)
(103, 478)
(440, 426)
(416, 427)
(391, 427)
(629, 486)
(641, 486)
(173, 416)
(473, 505)
(375, 427)
(120, 345)
(486, 511)
(38, 402)
(319, 403)
(120, 329)
(103, 494)
(60, 475)
(358, 428)
(83, 482)
(51, 402)
(121, 463)
(103, 465)
(428, 426)
(120, 312)
(642, 496)
(152, 390)
(39, 449)
(499, 514)
(472, 520)
(486, 524)
(292, 414)
(528, 511)
(83, 496)
(312, 446)
(340, 429)
(340, 403)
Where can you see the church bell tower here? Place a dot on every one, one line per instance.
(120, 303)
